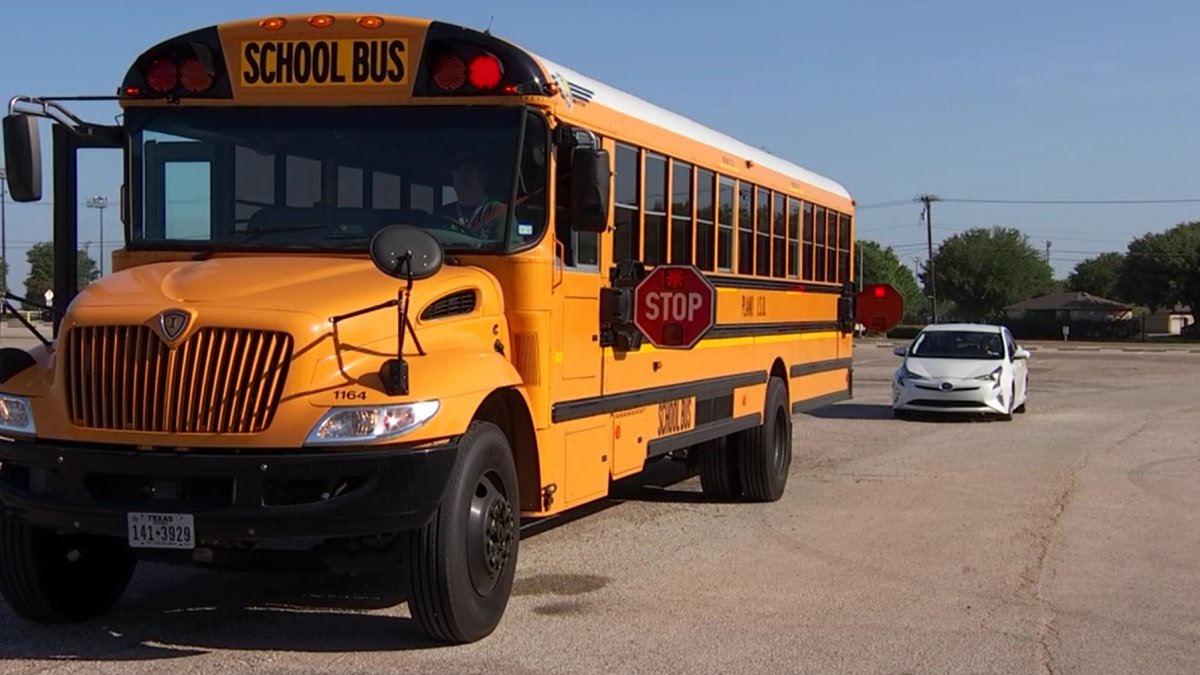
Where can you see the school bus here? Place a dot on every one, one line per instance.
(376, 307)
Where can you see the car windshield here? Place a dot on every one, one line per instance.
(329, 178)
(958, 344)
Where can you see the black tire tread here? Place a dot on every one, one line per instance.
(26, 582)
(755, 463)
(718, 469)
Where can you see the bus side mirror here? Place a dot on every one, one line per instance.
(590, 178)
(22, 158)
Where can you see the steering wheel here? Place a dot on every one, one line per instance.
(437, 221)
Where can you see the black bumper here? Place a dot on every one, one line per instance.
(233, 496)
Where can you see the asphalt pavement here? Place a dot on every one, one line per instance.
(1064, 541)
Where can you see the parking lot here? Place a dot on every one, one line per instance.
(1066, 540)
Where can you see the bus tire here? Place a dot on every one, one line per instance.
(718, 468)
(461, 564)
(765, 452)
(61, 578)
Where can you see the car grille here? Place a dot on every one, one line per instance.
(942, 403)
(218, 380)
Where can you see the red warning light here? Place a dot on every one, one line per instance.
(485, 72)
(674, 279)
(880, 291)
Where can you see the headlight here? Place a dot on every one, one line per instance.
(993, 376)
(906, 374)
(16, 416)
(356, 425)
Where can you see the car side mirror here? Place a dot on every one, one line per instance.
(1020, 355)
(590, 178)
(900, 350)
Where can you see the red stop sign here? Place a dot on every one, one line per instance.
(674, 306)
(879, 307)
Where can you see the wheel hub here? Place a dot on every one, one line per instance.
(491, 536)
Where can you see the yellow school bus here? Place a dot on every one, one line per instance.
(377, 306)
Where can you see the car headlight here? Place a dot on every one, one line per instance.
(906, 374)
(355, 425)
(993, 376)
(16, 417)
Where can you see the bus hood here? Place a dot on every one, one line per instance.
(318, 286)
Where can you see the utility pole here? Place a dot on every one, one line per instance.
(1048, 242)
(3, 227)
(931, 276)
(101, 203)
(862, 268)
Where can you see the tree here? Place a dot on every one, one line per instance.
(1163, 269)
(883, 266)
(1099, 276)
(983, 270)
(41, 270)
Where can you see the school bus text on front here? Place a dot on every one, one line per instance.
(390, 288)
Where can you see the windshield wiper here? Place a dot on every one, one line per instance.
(248, 236)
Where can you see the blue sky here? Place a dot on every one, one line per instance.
(1075, 99)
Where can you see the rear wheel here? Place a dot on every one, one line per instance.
(61, 578)
(718, 467)
(463, 561)
(764, 453)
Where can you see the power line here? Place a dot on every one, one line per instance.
(964, 200)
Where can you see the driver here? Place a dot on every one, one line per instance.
(475, 211)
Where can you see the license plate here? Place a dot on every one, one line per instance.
(162, 530)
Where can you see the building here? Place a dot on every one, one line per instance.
(1169, 321)
(1069, 307)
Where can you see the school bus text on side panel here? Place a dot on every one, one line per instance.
(519, 285)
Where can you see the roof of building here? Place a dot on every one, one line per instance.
(1179, 308)
(1071, 300)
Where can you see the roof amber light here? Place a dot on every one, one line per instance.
(274, 23)
(320, 21)
(370, 22)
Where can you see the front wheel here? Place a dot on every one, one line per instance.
(462, 563)
(61, 578)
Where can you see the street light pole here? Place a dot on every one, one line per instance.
(99, 202)
(3, 227)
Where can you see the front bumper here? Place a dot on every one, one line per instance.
(240, 497)
(963, 396)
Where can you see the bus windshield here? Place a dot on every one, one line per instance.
(329, 178)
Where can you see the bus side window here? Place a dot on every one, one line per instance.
(580, 249)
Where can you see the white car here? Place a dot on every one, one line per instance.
(961, 368)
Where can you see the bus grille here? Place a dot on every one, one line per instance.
(218, 380)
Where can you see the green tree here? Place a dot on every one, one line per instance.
(1099, 276)
(41, 270)
(983, 270)
(883, 266)
(1163, 269)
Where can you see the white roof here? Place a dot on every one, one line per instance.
(980, 327)
(584, 88)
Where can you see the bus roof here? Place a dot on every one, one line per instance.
(587, 89)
